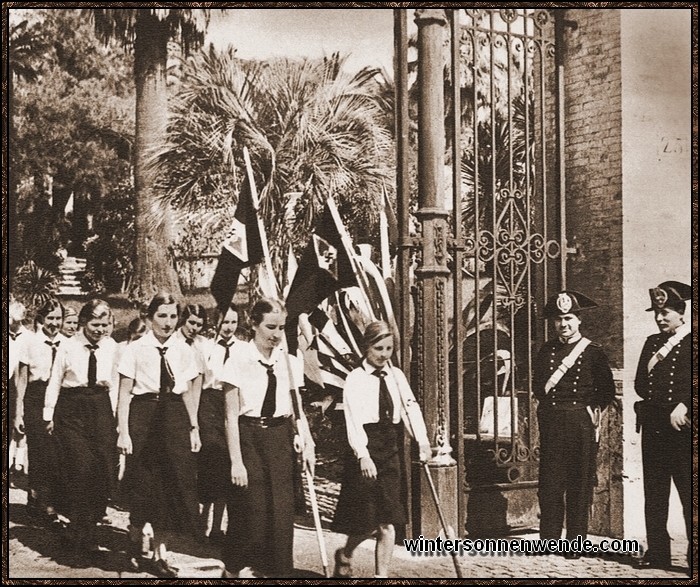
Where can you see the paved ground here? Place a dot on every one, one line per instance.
(37, 553)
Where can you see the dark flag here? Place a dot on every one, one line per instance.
(242, 248)
(325, 267)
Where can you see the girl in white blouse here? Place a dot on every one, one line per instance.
(37, 355)
(260, 436)
(158, 432)
(376, 399)
(213, 461)
(77, 408)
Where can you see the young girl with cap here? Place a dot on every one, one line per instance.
(376, 399)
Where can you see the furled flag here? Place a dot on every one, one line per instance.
(243, 247)
(325, 267)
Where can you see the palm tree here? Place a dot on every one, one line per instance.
(148, 30)
(312, 129)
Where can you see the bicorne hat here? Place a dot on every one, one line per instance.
(567, 302)
(669, 294)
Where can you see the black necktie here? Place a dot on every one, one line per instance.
(166, 379)
(54, 349)
(189, 341)
(92, 365)
(13, 335)
(386, 405)
(224, 344)
(269, 404)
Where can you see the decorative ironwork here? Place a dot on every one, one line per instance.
(509, 211)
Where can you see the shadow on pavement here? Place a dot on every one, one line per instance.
(54, 545)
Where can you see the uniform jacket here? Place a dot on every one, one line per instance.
(588, 381)
(670, 381)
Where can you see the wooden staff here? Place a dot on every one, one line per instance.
(359, 274)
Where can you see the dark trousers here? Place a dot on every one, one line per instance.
(44, 474)
(86, 435)
(213, 461)
(567, 470)
(666, 456)
(161, 473)
(261, 516)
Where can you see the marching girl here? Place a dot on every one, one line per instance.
(376, 398)
(260, 436)
(158, 431)
(214, 463)
(16, 313)
(78, 410)
(70, 321)
(37, 355)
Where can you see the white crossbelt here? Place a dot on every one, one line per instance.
(566, 364)
(662, 353)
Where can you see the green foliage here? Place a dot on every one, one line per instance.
(312, 130)
(75, 125)
(33, 286)
(109, 249)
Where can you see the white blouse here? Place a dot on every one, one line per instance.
(361, 405)
(245, 371)
(140, 361)
(215, 361)
(15, 348)
(200, 345)
(71, 367)
(36, 354)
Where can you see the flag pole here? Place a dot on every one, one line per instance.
(359, 274)
(272, 285)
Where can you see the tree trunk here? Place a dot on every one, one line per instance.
(154, 268)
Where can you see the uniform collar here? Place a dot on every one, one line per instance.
(578, 336)
(371, 368)
(150, 339)
(258, 356)
(82, 340)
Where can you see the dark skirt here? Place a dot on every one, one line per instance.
(86, 437)
(364, 504)
(261, 516)
(44, 470)
(161, 473)
(213, 461)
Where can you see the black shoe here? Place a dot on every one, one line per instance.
(162, 569)
(651, 561)
(572, 555)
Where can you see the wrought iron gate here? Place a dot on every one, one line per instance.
(507, 205)
(504, 116)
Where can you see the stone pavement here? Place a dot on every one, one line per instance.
(38, 553)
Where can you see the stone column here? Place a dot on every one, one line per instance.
(432, 337)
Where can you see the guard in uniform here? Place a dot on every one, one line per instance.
(664, 382)
(573, 383)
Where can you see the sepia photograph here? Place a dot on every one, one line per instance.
(340, 291)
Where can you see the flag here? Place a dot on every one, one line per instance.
(243, 247)
(325, 267)
(292, 267)
(388, 234)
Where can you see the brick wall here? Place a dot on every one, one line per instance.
(593, 133)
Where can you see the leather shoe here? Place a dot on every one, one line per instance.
(343, 565)
(572, 555)
(649, 561)
(162, 569)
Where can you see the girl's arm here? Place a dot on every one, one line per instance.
(239, 475)
(126, 384)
